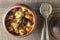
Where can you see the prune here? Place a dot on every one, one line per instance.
(24, 22)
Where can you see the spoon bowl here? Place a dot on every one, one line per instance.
(45, 10)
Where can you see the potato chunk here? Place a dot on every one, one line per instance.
(14, 25)
(19, 13)
(28, 29)
(10, 28)
(22, 32)
(29, 16)
(16, 30)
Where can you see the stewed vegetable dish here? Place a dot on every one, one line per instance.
(19, 21)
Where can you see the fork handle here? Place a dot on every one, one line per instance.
(42, 34)
(47, 33)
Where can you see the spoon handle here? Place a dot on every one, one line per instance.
(42, 34)
(47, 33)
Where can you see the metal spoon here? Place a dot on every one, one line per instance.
(45, 10)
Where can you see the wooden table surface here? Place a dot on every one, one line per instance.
(34, 4)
